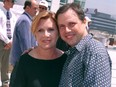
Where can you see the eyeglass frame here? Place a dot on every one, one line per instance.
(43, 7)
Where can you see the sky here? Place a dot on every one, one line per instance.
(105, 6)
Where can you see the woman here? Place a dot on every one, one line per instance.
(42, 66)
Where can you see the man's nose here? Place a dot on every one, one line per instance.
(67, 29)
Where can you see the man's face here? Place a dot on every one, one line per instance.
(71, 28)
(10, 3)
(42, 8)
(33, 9)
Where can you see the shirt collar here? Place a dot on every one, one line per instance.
(3, 9)
(28, 15)
(81, 45)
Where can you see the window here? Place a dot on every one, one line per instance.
(63, 1)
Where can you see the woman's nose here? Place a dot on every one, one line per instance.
(47, 33)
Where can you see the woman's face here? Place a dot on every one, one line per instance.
(46, 33)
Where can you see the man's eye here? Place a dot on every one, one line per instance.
(51, 29)
(61, 27)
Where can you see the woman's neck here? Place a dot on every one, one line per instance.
(46, 54)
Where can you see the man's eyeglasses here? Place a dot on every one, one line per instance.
(12, 1)
(43, 8)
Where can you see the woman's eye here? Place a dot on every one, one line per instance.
(72, 24)
(40, 30)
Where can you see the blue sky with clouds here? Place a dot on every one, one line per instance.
(106, 6)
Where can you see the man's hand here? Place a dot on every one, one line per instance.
(8, 46)
(27, 51)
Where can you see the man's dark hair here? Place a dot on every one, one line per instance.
(75, 7)
(13, 1)
(27, 3)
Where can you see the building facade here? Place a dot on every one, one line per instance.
(103, 26)
(53, 4)
(101, 21)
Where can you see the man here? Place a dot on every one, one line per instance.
(43, 5)
(23, 38)
(7, 23)
(88, 63)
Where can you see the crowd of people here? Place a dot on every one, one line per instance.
(59, 50)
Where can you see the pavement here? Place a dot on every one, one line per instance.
(112, 53)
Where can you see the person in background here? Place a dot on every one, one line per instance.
(88, 21)
(7, 23)
(88, 63)
(42, 66)
(23, 38)
(43, 6)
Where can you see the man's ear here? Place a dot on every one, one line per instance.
(27, 7)
(85, 21)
